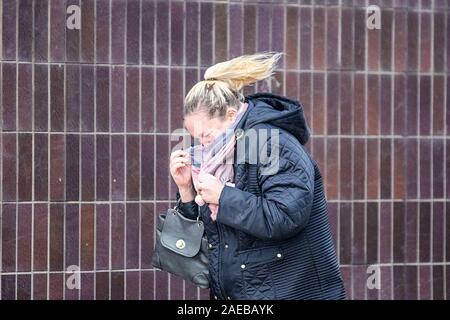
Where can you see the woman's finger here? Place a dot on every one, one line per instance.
(178, 165)
(178, 153)
(175, 154)
(180, 160)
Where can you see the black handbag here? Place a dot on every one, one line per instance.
(181, 247)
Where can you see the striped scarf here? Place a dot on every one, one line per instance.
(216, 159)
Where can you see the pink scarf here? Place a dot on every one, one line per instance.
(216, 159)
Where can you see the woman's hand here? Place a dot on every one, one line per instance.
(210, 188)
(180, 169)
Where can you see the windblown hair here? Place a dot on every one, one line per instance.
(224, 81)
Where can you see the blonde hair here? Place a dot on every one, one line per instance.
(224, 81)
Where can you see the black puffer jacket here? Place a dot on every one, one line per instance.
(272, 238)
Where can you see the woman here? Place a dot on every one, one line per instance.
(266, 221)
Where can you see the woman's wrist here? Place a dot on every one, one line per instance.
(187, 193)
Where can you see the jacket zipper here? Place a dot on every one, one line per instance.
(219, 267)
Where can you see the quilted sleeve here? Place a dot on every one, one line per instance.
(284, 207)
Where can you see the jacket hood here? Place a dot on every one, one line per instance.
(278, 111)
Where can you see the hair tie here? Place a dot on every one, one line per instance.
(209, 85)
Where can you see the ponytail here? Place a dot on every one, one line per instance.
(224, 81)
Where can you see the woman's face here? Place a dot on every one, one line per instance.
(200, 126)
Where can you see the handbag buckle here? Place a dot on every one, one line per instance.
(180, 244)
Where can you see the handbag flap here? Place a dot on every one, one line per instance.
(182, 235)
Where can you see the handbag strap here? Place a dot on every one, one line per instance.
(177, 207)
(177, 204)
